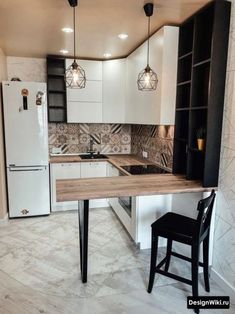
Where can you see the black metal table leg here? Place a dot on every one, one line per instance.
(83, 214)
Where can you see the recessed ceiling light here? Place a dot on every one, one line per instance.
(123, 36)
(64, 51)
(107, 55)
(67, 30)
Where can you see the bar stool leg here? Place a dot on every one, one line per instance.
(206, 263)
(195, 263)
(154, 248)
(168, 254)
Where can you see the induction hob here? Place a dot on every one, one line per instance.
(144, 169)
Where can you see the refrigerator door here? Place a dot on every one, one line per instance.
(28, 191)
(25, 118)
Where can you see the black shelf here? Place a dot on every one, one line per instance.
(57, 107)
(184, 83)
(55, 75)
(183, 109)
(196, 150)
(184, 69)
(202, 62)
(203, 46)
(185, 55)
(186, 38)
(181, 139)
(200, 85)
(204, 25)
(56, 92)
(199, 108)
(182, 124)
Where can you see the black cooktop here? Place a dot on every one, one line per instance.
(144, 169)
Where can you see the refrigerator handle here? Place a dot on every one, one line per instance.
(25, 102)
(23, 170)
(25, 94)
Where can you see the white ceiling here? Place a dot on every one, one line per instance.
(32, 28)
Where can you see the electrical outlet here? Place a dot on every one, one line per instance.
(145, 154)
(56, 150)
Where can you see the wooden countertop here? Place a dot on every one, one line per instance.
(117, 159)
(137, 185)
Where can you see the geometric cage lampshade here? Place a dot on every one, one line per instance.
(147, 80)
(75, 76)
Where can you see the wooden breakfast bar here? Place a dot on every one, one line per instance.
(110, 187)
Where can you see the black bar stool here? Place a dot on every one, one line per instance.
(185, 230)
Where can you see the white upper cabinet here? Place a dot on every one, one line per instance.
(85, 105)
(91, 93)
(93, 69)
(114, 96)
(153, 107)
(111, 94)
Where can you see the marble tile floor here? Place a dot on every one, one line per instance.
(39, 270)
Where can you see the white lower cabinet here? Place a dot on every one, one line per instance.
(112, 171)
(144, 211)
(116, 205)
(76, 170)
(95, 170)
(63, 171)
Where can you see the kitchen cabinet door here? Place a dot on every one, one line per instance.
(93, 169)
(112, 171)
(84, 112)
(85, 105)
(114, 94)
(91, 93)
(153, 107)
(63, 171)
(93, 69)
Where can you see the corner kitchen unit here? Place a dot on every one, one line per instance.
(109, 125)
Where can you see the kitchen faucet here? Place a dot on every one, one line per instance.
(91, 149)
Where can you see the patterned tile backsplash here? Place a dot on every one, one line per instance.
(115, 138)
(75, 138)
(157, 141)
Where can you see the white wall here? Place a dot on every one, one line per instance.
(3, 199)
(27, 69)
(224, 242)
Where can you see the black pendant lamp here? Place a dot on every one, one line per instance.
(147, 78)
(75, 76)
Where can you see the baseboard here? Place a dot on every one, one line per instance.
(224, 284)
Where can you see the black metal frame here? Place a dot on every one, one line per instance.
(73, 3)
(83, 216)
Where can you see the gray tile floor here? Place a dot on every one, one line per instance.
(39, 270)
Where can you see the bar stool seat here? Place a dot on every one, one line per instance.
(175, 226)
(193, 232)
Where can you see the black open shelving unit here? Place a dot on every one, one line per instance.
(56, 89)
(202, 60)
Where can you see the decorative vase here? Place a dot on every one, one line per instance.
(200, 143)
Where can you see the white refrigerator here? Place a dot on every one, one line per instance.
(26, 144)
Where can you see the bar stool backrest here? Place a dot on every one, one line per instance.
(205, 208)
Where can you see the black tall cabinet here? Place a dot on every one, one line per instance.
(202, 60)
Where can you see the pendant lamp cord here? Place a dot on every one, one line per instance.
(74, 33)
(148, 41)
